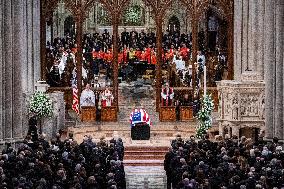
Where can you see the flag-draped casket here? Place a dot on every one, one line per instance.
(139, 116)
(140, 124)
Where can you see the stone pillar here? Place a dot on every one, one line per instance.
(260, 40)
(238, 40)
(1, 70)
(244, 55)
(269, 67)
(30, 75)
(36, 40)
(251, 34)
(8, 69)
(18, 51)
(279, 14)
(24, 73)
(51, 125)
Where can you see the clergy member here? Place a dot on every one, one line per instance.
(167, 95)
(107, 98)
(87, 97)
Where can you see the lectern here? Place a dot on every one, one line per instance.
(88, 113)
(109, 114)
(167, 113)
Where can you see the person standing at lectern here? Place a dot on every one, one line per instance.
(87, 97)
(107, 98)
(186, 100)
(167, 95)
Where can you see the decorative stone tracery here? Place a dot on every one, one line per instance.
(241, 105)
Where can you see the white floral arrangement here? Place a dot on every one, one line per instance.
(133, 15)
(41, 105)
(205, 116)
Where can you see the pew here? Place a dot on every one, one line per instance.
(186, 113)
(109, 114)
(167, 113)
(88, 113)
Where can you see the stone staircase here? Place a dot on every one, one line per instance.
(144, 167)
(145, 155)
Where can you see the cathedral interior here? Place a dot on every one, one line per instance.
(201, 72)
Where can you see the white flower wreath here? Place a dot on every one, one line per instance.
(41, 105)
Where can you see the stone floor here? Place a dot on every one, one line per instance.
(145, 177)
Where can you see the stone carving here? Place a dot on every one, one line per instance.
(241, 105)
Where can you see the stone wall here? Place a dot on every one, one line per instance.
(19, 63)
(274, 57)
(51, 125)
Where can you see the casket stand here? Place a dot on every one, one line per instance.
(140, 131)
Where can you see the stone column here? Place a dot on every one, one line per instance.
(1, 69)
(260, 40)
(18, 51)
(36, 40)
(269, 60)
(244, 56)
(30, 48)
(251, 34)
(24, 73)
(279, 71)
(238, 40)
(8, 69)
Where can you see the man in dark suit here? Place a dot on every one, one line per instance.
(125, 37)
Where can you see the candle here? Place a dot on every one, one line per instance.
(204, 81)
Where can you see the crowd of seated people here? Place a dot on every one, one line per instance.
(225, 164)
(63, 164)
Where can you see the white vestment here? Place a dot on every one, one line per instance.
(87, 98)
(180, 64)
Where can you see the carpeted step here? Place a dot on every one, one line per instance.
(147, 148)
(135, 153)
(140, 156)
(143, 162)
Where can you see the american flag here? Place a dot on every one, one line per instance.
(139, 116)
(75, 104)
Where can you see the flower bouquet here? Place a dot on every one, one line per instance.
(40, 105)
(205, 116)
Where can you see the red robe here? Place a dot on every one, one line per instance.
(167, 101)
(184, 53)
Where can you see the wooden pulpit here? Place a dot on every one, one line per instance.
(186, 113)
(88, 113)
(168, 113)
(109, 114)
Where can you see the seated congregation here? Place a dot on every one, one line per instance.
(63, 164)
(225, 164)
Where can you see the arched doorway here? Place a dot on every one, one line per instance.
(174, 24)
(69, 26)
(250, 132)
